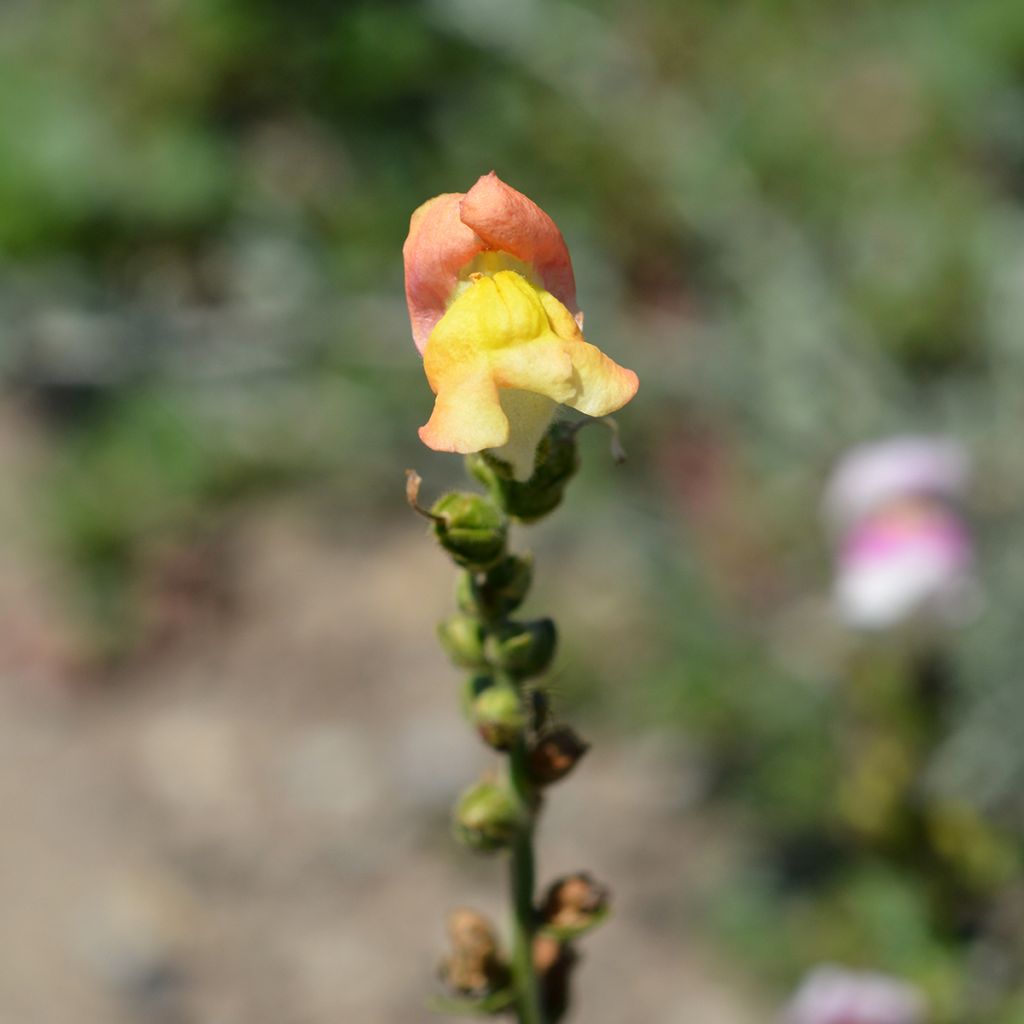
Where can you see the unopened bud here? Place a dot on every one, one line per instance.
(574, 903)
(555, 754)
(475, 967)
(498, 716)
(498, 591)
(525, 649)
(487, 817)
(557, 461)
(470, 528)
(462, 638)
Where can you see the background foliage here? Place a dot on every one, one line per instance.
(801, 223)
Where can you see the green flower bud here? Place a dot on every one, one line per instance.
(498, 715)
(471, 689)
(556, 463)
(487, 817)
(462, 638)
(465, 598)
(470, 528)
(525, 649)
(498, 591)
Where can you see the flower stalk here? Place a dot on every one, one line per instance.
(506, 701)
(492, 303)
(524, 915)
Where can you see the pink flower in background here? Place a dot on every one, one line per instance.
(903, 551)
(835, 995)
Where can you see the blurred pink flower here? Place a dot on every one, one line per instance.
(903, 551)
(836, 995)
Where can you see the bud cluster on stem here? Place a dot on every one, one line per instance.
(510, 709)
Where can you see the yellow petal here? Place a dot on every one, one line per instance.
(529, 415)
(467, 414)
(498, 360)
(541, 366)
(600, 385)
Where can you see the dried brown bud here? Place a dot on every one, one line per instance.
(475, 967)
(546, 951)
(555, 754)
(574, 902)
(553, 961)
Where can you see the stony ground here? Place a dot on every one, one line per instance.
(249, 827)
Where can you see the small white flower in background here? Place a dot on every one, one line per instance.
(835, 995)
(903, 549)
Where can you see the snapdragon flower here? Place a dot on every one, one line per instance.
(492, 302)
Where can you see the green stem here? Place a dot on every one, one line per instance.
(523, 912)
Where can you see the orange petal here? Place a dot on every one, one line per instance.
(508, 221)
(438, 246)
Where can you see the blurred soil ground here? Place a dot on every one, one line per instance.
(248, 825)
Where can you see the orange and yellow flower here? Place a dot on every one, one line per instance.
(492, 301)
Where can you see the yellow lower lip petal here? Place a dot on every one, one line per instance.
(503, 338)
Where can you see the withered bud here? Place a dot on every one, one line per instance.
(553, 960)
(574, 902)
(555, 754)
(498, 715)
(474, 967)
(471, 528)
(487, 816)
(462, 638)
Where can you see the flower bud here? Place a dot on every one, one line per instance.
(555, 754)
(573, 904)
(470, 528)
(553, 960)
(474, 967)
(525, 649)
(498, 591)
(498, 715)
(557, 461)
(486, 817)
(462, 638)
(472, 688)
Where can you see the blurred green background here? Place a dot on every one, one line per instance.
(801, 223)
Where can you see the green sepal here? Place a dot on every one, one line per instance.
(525, 649)
(471, 689)
(498, 591)
(463, 639)
(556, 463)
(568, 933)
(471, 528)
